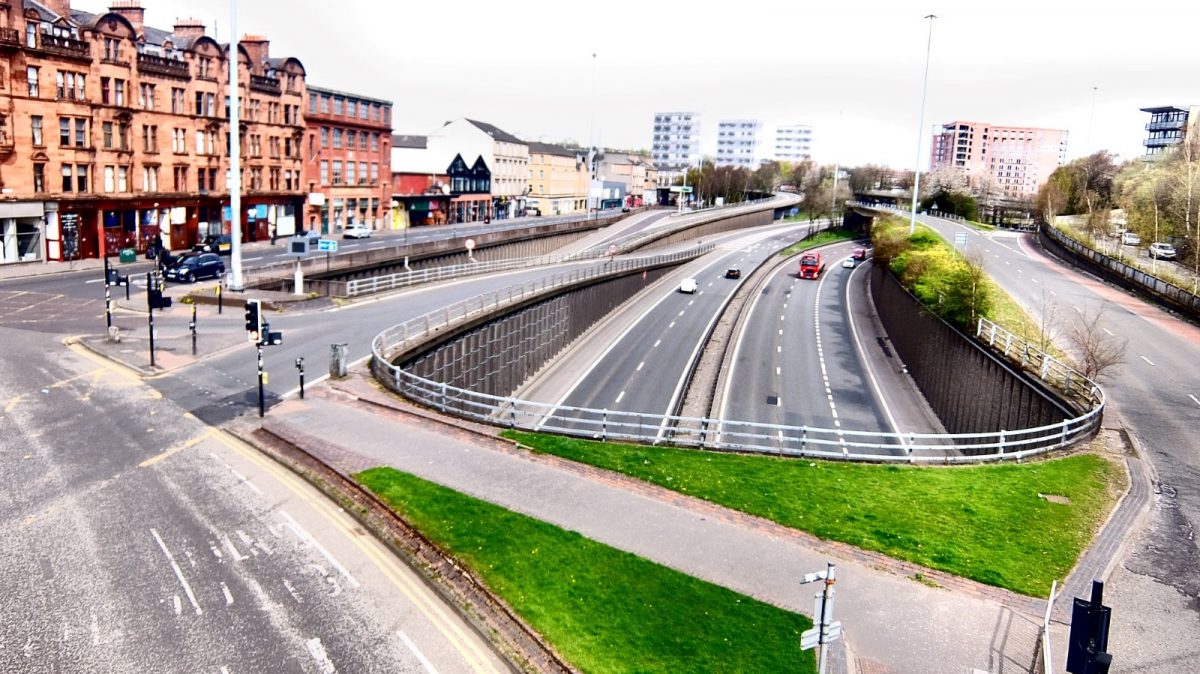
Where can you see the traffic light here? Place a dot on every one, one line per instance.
(156, 299)
(253, 319)
(273, 338)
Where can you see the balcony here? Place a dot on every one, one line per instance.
(10, 37)
(67, 47)
(165, 67)
(1162, 142)
(1166, 126)
(267, 85)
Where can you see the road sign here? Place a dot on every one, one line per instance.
(686, 189)
(327, 246)
(960, 239)
(470, 243)
(612, 249)
(812, 638)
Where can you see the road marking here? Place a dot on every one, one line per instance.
(671, 325)
(779, 349)
(417, 652)
(1194, 399)
(1077, 309)
(304, 536)
(95, 280)
(252, 259)
(317, 651)
(681, 312)
(782, 317)
(778, 371)
(1147, 360)
(236, 474)
(172, 451)
(640, 366)
(619, 396)
(1110, 332)
(178, 572)
(781, 332)
(656, 344)
(228, 595)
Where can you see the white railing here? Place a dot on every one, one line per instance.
(1047, 655)
(1032, 359)
(699, 432)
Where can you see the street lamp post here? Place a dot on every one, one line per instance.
(912, 223)
(235, 156)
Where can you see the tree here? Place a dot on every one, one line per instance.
(967, 294)
(1096, 351)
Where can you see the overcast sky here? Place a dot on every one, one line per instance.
(852, 69)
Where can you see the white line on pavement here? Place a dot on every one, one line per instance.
(1110, 332)
(619, 396)
(252, 259)
(304, 536)
(657, 343)
(417, 652)
(1147, 360)
(317, 651)
(95, 280)
(178, 572)
(640, 366)
(1194, 399)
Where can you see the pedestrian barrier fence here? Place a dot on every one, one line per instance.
(707, 433)
(1049, 369)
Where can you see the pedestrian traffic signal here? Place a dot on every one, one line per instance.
(253, 319)
(156, 299)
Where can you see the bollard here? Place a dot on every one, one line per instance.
(337, 361)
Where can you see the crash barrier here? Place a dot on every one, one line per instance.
(401, 343)
(1118, 272)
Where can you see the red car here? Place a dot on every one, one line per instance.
(859, 254)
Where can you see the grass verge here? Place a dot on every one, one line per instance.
(821, 238)
(603, 609)
(986, 523)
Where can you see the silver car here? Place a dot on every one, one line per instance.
(1162, 251)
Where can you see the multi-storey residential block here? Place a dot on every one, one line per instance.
(558, 179)
(793, 143)
(118, 132)
(1168, 126)
(506, 157)
(1015, 159)
(676, 140)
(347, 171)
(738, 143)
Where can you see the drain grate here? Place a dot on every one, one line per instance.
(773, 400)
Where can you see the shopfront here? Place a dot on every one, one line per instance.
(22, 230)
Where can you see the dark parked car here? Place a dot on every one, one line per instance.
(733, 272)
(220, 244)
(196, 266)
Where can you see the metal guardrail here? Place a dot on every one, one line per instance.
(1032, 359)
(701, 432)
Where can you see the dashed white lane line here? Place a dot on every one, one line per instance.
(1147, 360)
(1194, 399)
(671, 325)
(1110, 332)
(252, 259)
(619, 396)
(95, 280)
(640, 366)
(778, 371)
(782, 317)
(656, 344)
(682, 312)
(307, 538)
(178, 572)
(417, 652)
(781, 332)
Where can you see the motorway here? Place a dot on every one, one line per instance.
(1155, 393)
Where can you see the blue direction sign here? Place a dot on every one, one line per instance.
(327, 246)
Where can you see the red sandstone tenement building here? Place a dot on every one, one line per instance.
(113, 132)
(347, 160)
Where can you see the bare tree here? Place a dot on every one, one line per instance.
(1097, 351)
(1048, 324)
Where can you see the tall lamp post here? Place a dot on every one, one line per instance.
(912, 223)
(235, 156)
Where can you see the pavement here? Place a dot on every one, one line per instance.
(899, 617)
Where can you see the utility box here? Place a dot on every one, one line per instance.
(128, 255)
(338, 354)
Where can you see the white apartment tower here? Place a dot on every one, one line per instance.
(737, 143)
(793, 142)
(676, 139)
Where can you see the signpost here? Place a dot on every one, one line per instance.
(826, 628)
(470, 243)
(327, 246)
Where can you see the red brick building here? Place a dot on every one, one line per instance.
(113, 132)
(347, 167)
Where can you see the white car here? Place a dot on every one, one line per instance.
(1162, 251)
(689, 286)
(1130, 239)
(848, 263)
(356, 231)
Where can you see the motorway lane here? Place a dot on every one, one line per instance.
(796, 362)
(641, 372)
(137, 539)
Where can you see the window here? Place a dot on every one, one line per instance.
(324, 137)
(312, 104)
(374, 172)
(337, 139)
(31, 75)
(122, 179)
(177, 105)
(362, 140)
(178, 141)
(119, 92)
(107, 130)
(255, 145)
(146, 96)
(68, 178)
(105, 90)
(362, 171)
(123, 136)
(324, 173)
(111, 49)
(202, 180)
(81, 132)
(110, 178)
(150, 179)
(150, 138)
(337, 105)
(31, 35)
(180, 178)
(199, 142)
(374, 142)
(39, 177)
(36, 123)
(350, 108)
(199, 103)
(81, 177)
(324, 103)
(362, 110)
(64, 131)
(350, 173)
(351, 139)
(337, 173)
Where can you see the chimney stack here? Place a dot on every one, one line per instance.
(59, 7)
(258, 47)
(189, 28)
(131, 10)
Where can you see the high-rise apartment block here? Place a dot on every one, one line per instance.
(738, 143)
(676, 139)
(793, 143)
(1167, 128)
(1016, 159)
